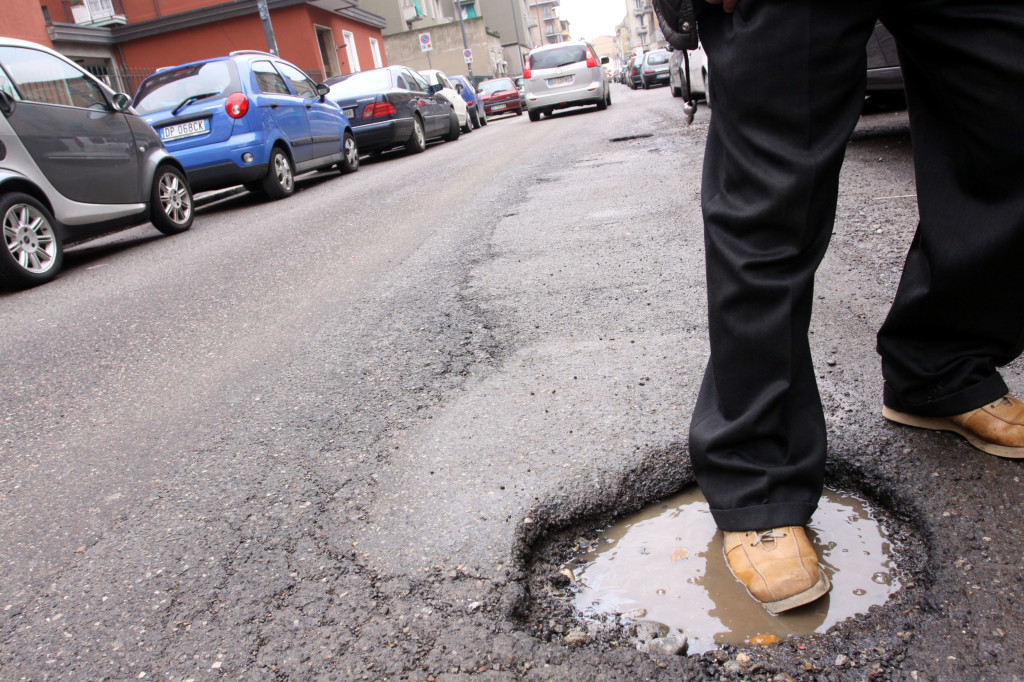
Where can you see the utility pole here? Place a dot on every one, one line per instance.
(519, 45)
(465, 43)
(268, 28)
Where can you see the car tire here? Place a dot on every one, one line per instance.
(676, 92)
(33, 251)
(418, 140)
(602, 104)
(350, 162)
(454, 129)
(707, 89)
(483, 119)
(170, 203)
(608, 97)
(534, 115)
(279, 182)
(519, 111)
(474, 118)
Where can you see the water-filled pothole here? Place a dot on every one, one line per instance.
(665, 564)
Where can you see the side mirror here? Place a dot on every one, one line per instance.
(459, 88)
(6, 104)
(434, 89)
(122, 102)
(322, 90)
(605, 60)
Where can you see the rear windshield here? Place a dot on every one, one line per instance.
(562, 56)
(360, 83)
(658, 58)
(491, 87)
(170, 88)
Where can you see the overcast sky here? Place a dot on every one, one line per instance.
(591, 18)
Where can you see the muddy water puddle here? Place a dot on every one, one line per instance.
(665, 564)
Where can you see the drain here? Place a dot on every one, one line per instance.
(665, 564)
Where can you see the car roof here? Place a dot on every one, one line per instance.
(555, 46)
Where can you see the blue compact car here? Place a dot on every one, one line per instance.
(249, 118)
(473, 101)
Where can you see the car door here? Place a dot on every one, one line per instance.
(326, 126)
(287, 110)
(434, 109)
(67, 124)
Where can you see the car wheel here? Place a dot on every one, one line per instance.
(170, 203)
(602, 104)
(519, 111)
(483, 119)
(474, 118)
(280, 179)
(34, 252)
(350, 163)
(707, 90)
(608, 97)
(676, 92)
(454, 129)
(417, 141)
(468, 128)
(534, 115)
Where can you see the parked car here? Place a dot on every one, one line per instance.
(654, 69)
(446, 89)
(884, 76)
(248, 118)
(567, 74)
(633, 75)
(521, 87)
(500, 96)
(393, 106)
(698, 73)
(75, 162)
(477, 112)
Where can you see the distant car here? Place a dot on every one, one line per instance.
(698, 73)
(521, 87)
(884, 74)
(654, 69)
(633, 75)
(248, 118)
(500, 96)
(472, 98)
(393, 106)
(75, 162)
(447, 90)
(567, 74)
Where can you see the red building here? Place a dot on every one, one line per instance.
(125, 40)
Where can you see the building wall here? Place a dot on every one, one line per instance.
(23, 19)
(293, 31)
(393, 11)
(404, 48)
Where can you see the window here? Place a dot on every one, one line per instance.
(350, 51)
(375, 51)
(169, 88)
(41, 77)
(416, 81)
(300, 81)
(268, 79)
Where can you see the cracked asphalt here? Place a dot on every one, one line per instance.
(352, 434)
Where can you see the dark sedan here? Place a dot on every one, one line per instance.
(501, 96)
(393, 107)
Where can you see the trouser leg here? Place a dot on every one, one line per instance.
(959, 309)
(788, 78)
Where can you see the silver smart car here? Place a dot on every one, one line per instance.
(75, 162)
(561, 75)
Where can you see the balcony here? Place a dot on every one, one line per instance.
(93, 12)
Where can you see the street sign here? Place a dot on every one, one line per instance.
(425, 45)
(468, 55)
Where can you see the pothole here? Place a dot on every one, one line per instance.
(665, 564)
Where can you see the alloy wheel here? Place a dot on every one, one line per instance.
(30, 238)
(175, 200)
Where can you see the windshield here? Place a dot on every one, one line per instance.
(491, 87)
(562, 56)
(168, 89)
(658, 58)
(360, 83)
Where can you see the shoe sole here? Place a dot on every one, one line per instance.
(943, 424)
(806, 597)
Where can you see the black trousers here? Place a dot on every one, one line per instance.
(787, 78)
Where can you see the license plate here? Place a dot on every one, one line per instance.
(189, 129)
(561, 80)
(350, 112)
(498, 106)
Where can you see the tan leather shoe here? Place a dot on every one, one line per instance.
(779, 567)
(997, 429)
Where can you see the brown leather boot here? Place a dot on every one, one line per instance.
(997, 429)
(779, 567)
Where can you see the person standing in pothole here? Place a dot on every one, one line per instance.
(788, 79)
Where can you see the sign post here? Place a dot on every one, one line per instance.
(426, 46)
(467, 54)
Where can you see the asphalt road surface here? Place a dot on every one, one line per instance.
(349, 435)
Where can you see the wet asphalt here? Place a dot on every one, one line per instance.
(352, 435)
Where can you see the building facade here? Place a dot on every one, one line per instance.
(644, 33)
(549, 26)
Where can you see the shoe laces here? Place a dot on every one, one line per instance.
(766, 538)
(1002, 402)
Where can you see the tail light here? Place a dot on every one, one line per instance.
(526, 68)
(591, 59)
(236, 105)
(648, 73)
(378, 109)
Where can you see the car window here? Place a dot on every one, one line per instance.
(7, 86)
(497, 85)
(41, 77)
(658, 58)
(169, 88)
(561, 56)
(268, 79)
(416, 81)
(375, 80)
(300, 81)
(445, 82)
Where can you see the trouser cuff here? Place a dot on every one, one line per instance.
(764, 516)
(971, 398)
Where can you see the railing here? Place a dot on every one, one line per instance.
(89, 12)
